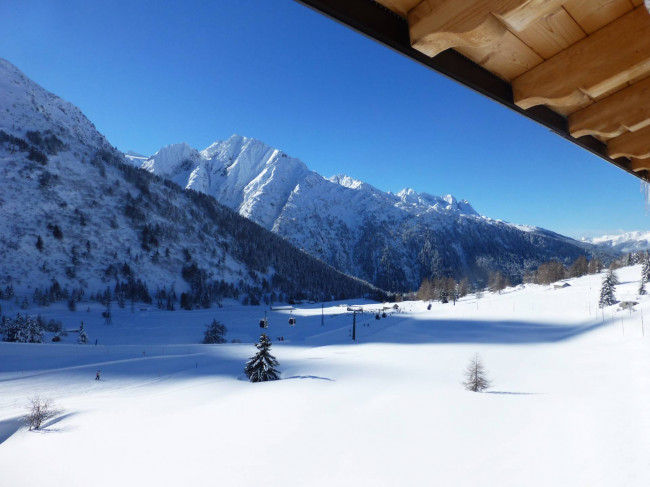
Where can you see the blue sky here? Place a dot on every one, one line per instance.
(151, 73)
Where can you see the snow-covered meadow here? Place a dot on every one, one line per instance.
(569, 406)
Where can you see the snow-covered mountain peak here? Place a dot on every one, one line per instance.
(225, 149)
(356, 227)
(347, 181)
(170, 158)
(623, 242)
(426, 201)
(34, 108)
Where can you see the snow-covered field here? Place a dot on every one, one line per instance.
(569, 406)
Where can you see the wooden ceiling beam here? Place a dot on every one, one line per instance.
(640, 165)
(592, 67)
(437, 25)
(626, 110)
(631, 144)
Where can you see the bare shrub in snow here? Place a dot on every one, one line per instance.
(39, 410)
(475, 375)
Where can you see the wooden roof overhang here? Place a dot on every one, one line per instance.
(579, 67)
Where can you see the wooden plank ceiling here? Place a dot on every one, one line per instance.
(587, 60)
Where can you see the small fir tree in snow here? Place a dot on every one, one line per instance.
(34, 330)
(607, 297)
(215, 333)
(442, 295)
(262, 366)
(475, 377)
(642, 290)
(82, 339)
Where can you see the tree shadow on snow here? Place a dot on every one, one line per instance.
(48, 427)
(508, 393)
(309, 377)
(468, 331)
(9, 426)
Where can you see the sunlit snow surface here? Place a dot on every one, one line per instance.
(569, 406)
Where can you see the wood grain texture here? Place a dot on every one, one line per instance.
(507, 58)
(552, 33)
(627, 110)
(631, 144)
(436, 25)
(591, 15)
(596, 65)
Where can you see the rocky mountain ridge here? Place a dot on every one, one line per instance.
(391, 240)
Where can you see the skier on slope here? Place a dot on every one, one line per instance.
(97, 375)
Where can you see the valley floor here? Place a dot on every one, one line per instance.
(569, 405)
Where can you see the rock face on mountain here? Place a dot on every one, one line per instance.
(391, 240)
(75, 213)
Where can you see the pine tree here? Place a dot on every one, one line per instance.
(215, 333)
(645, 269)
(35, 333)
(476, 378)
(607, 297)
(82, 339)
(642, 290)
(262, 366)
(442, 295)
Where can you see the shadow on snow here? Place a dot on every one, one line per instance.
(468, 331)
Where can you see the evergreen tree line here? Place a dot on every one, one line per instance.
(398, 257)
(38, 147)
(295, 273)
(55, 293)
(22, 329)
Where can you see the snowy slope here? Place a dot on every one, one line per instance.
(568, 405)
(623, 242)
(73, 211)
(25, 104)
(392, 240)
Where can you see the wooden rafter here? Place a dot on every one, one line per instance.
(437, 25)
(591, 15)
(638, 165)
(579, 67)
(625, 110)
(593, 67)
(631, 144)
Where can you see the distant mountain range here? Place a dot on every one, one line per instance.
(623, 242)
(76, 215)
(391, 240)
